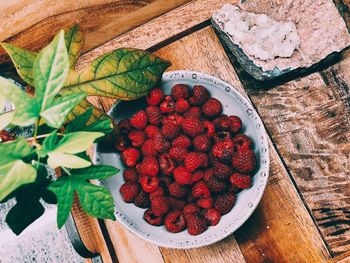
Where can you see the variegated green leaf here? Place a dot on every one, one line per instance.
(58, 159)
(5, 119)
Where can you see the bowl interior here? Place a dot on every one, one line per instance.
(233, 104)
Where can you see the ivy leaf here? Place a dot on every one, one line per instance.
(95, 200)
(23, 60)
(79, 122)
(57, 159)
(125, 74)
(14, 150)
(74, 40)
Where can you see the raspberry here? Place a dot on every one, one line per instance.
(176, 203)
(152, 219)
(166, 164)
(200, 94)
(159, 191)
(221, 170)
(212, 108)
(155, 97)
(178, 190)
(209, 128)
(191, 208)
(244, 160)
(160, 205)
(193, 161)
(151, 131)
(137, 168)
(142, 200)
(130, 156)
(139, 120)
(205, 160)
(137, 138)
(212, 215)
(192, 127)
(149, 166)
(223, 150)
(180, 91)
(130, 175)
(205, 202)
(178, 153)
(235, 124)
(175, 221)
(182, 175)
(240, 180)
(200, 190)
(160, 143)
(201, 143)
(222, 123)
(222, 136)
(167, 106)
(129, 191)
(195, 224)
(214, 184)
(181, 141)
(149, 183)
(148, 148)
(122, 143)
(197, 176)
(124, 126)
(181, 105)
(242, 140)
(175, 119)
(193, 112)
(154, 115)
(170, 130)
(224, 203)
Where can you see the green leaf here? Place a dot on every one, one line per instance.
(76, 142)
(5, 119)
(82, 107)
(96, 172)
(56, 114)
(79, 122)
(14, 175)
(74, 39)
(14, 150)
(23, 60)
(58, 159)
(102, 125)
(125, 74)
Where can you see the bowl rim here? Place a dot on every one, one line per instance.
(265, 142)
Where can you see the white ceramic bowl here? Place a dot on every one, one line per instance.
(233, 104)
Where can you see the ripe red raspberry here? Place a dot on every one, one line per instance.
(130, 175)
(223, 150)
(200, 95)
(130, 156)
(148, 148)
(137, 168)
(244, 160)
(221, 170)
(242, 141)
(240, 180)
(149, 166)
(124, 126)
(149, 183)
(201, 143)
(176, 203)
(224, 203)
(209, 128)
(137, 138)
(152, 219)
(182, 175)
(170, 130)
(222, 136)
(193, 112)
(175, 119)
(160, 143)
(151, 131)
(159, 191)
(222, 123)
(193, 161)
(175, 221)
(206, 202)
(192, 127)
(154, 115)
(160, 205)
(178, 190)
(121, 143)
(235, 124)
(180, 91)
(129, 191)
(200, 190)
(212, 108)
(139, 120)
(155, 97)
(191, 208)
(212, 215)
(167, 106)
(214, 184)
(195, 224)
(197, 176)
(181, 141)
(142, 200)
(181, 105)
(205, 160)
(166, 164)
(178, 153)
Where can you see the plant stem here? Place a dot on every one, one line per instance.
(66, 170)
(36, 128)
(42, 136)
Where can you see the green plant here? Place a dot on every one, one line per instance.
(60, 97)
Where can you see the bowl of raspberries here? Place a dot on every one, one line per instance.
(194, 161)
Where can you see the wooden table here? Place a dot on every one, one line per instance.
(304, 215)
